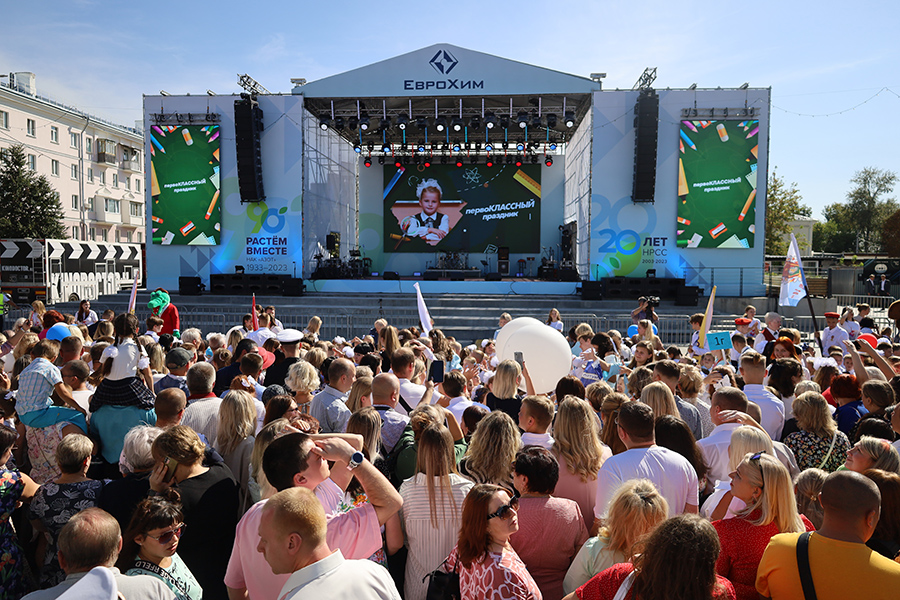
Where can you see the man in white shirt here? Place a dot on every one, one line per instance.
(403, 364)
(670, 472)
(715, 446)
(833, 334)
(770, 333)
(535, 419)
(753, 370)
(668, 372)
(292, 539)
(456, 396)
(330, 405)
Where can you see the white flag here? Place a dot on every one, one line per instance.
(793, 280)
(424, 317)
(133, 298)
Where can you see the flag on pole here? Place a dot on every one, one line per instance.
(707, 319)
(132, 300)
(793, 279)
(254, 315)
(424, 317)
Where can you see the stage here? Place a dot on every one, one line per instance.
(521, 287)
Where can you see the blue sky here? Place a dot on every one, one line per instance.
(819, 58)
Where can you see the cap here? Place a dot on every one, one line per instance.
(268, 357)
(289, 336)
(178, 357)
(832, 315)
(742, 321)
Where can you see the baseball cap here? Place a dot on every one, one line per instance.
(178, 357)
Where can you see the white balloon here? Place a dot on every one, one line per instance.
(510, 328)
(545, 351)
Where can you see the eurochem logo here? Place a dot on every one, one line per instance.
(443, 62)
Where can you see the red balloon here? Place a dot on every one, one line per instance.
(869, 338)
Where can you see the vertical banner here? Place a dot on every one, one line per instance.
(793, 279)
(184, 185)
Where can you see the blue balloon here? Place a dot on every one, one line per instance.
(59, 332)
(633, 330)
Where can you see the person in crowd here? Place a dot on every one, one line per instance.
(85, 316)
(715, 448)
(58, 500)
(432, 507)
(209, 499)
(690, 385)
(92, 539)
(36, 318)
(178, 362)
(235, 440)
(768, 334)
(659, 397)
(202, 412)
(404, 454)
(673, 475)
(504, 395)
(807, 487)
(492, 451)
(643, 311)
(360, 393)
(579, 453)
(15, 487)
(876, 397)
(385, 395)
(674, 434)
(595, 393)
(225, 375)
(638, 378)
(661, 572)
(745, 439)
(535, 418)
(551, 529)
(75, 374)
(764, 485)
(609, 412)
(280, 407)
(150, 546)
(784, 375)
(554, 320)
(819, 443)
(312, 328)
(642, 355)
(293, 539)
(329, 406)
(872, 453)
(290, 347)
(852, 504)
(120, 496)
(847, 394)
(753, 370)
(488, 566)
(646, 334)
(303, 380)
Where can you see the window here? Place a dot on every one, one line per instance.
(54, 167)
(75, 201)
(90, 204)
(4, 119)
(111, 205)
(139, 236)
(93, 234)
(115, 180)
(128, 183)
(74, 232)
(118, 236)
(54, 134)
(104, 233)
(135, 209)
(137, 185)
(74, 171)
(90, 176)
(32, 162)
(88, 145)
(106, 151)
(128, 237)
(73, 140)
(30, 127)
(102, 177)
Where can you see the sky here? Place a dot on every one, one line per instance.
(832, 66)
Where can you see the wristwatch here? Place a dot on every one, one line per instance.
(356, 459)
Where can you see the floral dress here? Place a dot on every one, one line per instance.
(809, 449)
(12, 558)
(53, 505)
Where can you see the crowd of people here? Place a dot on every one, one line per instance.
(271, 463)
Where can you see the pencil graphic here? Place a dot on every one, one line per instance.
(156, 219)
(157, 144)
(684, 221)
(681, 146)
(154, 182)
(691, 125)
(682, 181)
(747, 205)
(158, 130)
(212, 205)
(687, 140)
(753, 132)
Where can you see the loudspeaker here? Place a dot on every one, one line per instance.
(503, 265)
(189, 286)
(646, 125)
(392, 275)
(248, 123)
(688, 296)
(568, 274)
(218, 283)
(332, 240)
(492, 277)
(592, 290)
(432, 275)
(292, 287)
(503, 253)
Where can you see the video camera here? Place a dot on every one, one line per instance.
(652, 301)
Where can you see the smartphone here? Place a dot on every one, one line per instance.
(436, 374)
(171, 465)
(520, 358)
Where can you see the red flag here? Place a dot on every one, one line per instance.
(254, 315)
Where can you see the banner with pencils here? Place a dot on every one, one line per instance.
(717, 184)
(184, 184)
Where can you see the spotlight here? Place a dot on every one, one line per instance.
(548, 160)
(386, 148)
(427, 162)
(353, 123)
(380, 160)
(473, 159)
(488, 147)
(519, 160)
(553, 145)
(417, 160)
(385, 123)
(402, 120)
(504, 145)
(570, 118)
(364, 121)
(456, 146)
(490, 162)
(339, 123)
(535, 120)
(421, 148)
(422, 122)
(490, 120)
(520, 146)
(397, 162)
(368, 161)
(551, 120)
(522, 119)
(440, 123)
(406, 160)
(357, 148)
(324, 121)
(504, 121)
(459, 161)
(457, 124)
(477, 146)
(475, 122)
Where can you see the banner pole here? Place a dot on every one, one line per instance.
(812, 313)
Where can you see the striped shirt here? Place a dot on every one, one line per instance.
(202, 415)
(36, 383)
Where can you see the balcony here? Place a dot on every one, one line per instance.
(105, 157)
(131, 165)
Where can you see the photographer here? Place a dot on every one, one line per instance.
(645, 310)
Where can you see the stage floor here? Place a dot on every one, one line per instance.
(524, 287)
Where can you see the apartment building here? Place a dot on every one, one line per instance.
(95, 166)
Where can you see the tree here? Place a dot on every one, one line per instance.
(856, 225)
(29, 206)
(837, 233)
(890, 235)
(783, 205)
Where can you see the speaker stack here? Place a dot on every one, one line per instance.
(646, 125)
(248, 124)
(190, 286)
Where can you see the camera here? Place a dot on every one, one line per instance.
(652, 301)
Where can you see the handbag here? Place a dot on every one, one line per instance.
(443, 585)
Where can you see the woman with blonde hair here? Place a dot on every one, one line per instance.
(873, 453)
(764, 485)
(806, 488)
(312, 328)
(235, 440)
(634, 512)
(432, 506)
(609, 412)
(638, 378)
(303, 379)
(722, 504)
(580, 453)
(24, 345)
(157, 361)
(316, 356)
(645, 334)
(690, 388)
(233, 338)
(818, 444)
(360, 394)
(492, 451)
(389, 341)
(659, 397)
(36, 318)
(504, 395)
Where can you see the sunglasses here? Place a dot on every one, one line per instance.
(167, 537)
(506, 511)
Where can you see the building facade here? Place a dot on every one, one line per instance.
(95, 166)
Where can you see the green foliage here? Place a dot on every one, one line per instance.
(857, 224)
(783, 204)
(29, 206)
(890, 235)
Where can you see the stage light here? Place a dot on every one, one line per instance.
(380, 160)
(551, 120)
(385, 123)
(473, 159)
(386, 148)
(520, 146)
(364, 121)
(504, 145)
(440, 123)
(357, 148)
(324, 121)
(456, 146)
(548, 160)
(459, 161)
(457, 124)
(477, 146)
(402, 120)
(570, 118)
(488, 147)
(475, 122)
(368, 161)
(339, 123)
(535, 120)
(422, 122)
(522, 119)
(417, 160)
(553, 145)
(421, 148)
(427, 162)
(519, 161)
(490, 162)
(504, 121)
(353, 123)
(397, 163)
(490, 120)
(406, 160)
